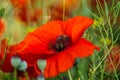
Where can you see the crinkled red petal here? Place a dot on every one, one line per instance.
(76, 26)
(63, 61)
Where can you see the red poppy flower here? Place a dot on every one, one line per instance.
(2, 27)
(58, 42)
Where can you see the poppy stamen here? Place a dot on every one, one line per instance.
(61, 43)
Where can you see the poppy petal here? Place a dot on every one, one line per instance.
(38, 41)
(76, 26)
(84, 48)
(31, 58)
(58, 64)
(4, 59)
(6, 66)
(63, 61)
(31, 72)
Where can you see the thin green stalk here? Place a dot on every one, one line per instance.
(26, 75)
(15, 74)
(92, 74)
(112, 5)
(111, 32)
(102, 71)
(106, 32)
(69, 74)
(63, 10)
(93, 14)
(81, 76)
(93, 60)
(106, 9)
(1, 75)
(102, 35)
(45, 16)
(116, 39)
(99, 8)
(103, 58)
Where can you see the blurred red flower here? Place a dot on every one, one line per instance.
(3, 44)
(25, 11)
(19, 3)
(28, 12)
(113, 60)
(56, 9)
(2, 26)
(2, 50)
(58, 42)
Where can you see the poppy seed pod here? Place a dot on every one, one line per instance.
(15, 61)
(41, 64)
(23, 66)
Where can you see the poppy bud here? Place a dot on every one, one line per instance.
(23, 66)
(15, 61)
(41, 64)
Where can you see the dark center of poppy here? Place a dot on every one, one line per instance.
(62, 42)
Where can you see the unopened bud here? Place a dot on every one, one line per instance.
(15, 61)
(41, 65)
(23, 66)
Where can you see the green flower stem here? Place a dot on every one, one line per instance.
(81, 76)
(102, 69)
(46, 14)
(69, 74)
(15, 74)
(26, 75)
(79, 73)
(104, 58)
